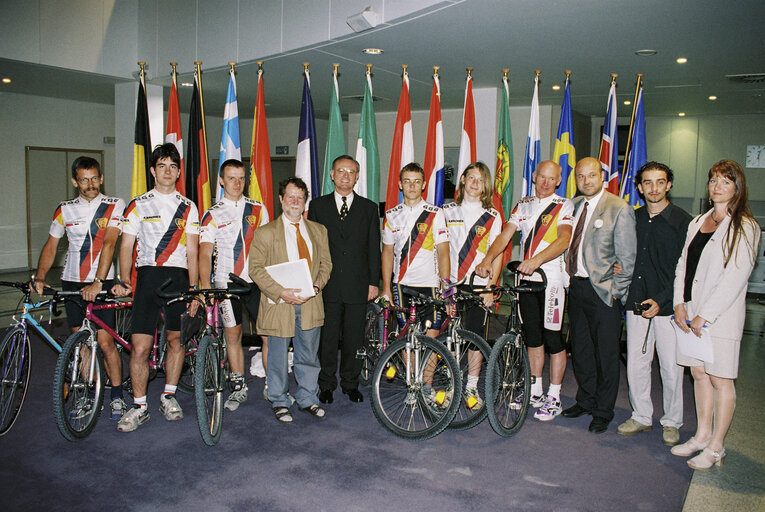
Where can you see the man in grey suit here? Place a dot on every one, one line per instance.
(604, 236)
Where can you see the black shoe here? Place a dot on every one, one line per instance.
(598, 425)
(325, 396)
(354, 395)
(574, 411)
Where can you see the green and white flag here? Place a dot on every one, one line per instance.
(366, 149)
(335, 137)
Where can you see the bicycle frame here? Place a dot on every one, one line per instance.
(26, 319)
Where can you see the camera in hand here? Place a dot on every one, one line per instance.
(641, 308)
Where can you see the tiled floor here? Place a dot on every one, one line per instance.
(738, 486)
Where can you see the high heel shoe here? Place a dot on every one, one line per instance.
(689, 447)
(707, 458)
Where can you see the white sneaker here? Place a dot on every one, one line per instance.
(473, 393)
(170, 407)
(549, 410)
(133, 418)
(537, 401)
(236, 398)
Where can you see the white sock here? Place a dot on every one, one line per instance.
(536, 387)
(169, 390)
(140, 401)
(472, 382)
(554, 391)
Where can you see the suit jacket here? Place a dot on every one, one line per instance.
(269, 247)
(609, 238)
(354, 244)
(718, 294)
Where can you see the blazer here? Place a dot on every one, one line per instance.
(609, 238)
(718, 294)
(269, 247)
(354, 244)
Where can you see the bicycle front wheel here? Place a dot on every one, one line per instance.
(78, 387)
(15, 361)
(509, 384)
(208, 390)
(187, 379)
(472, 355)
(373, 330)
(415, 388)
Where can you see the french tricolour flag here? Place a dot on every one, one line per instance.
(434, 150)
(307, 160)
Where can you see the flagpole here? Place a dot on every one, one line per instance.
(198, 64)
(174, 73)
(638, 84)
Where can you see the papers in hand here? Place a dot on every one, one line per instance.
(293, 274)
(692, 346)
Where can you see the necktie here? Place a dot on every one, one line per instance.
(344, 209)
(302, 246)
(573, 251)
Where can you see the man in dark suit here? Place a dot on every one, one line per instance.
(604, 236)
(353, 225)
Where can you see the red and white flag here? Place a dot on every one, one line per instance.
(467, 140)
(173, 134)
(402, 152)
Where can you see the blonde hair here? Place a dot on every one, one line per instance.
(488, 186)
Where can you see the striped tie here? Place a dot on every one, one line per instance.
(573, 249)
(303, 251)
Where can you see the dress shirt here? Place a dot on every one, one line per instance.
(581, 271)
(660, 240)
(339, 200)
(290, 234)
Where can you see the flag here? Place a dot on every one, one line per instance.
(306, 162)
(366, 148)
(229, 138)
(402, 151)
(434, 150)
(467, 139)
(335, 136)
(609, 147)
(637, 156)
(261, 188)
(173, 134)
(503, 173)
(142, 179)
(197, 173)
(531, 159)
(564, 153)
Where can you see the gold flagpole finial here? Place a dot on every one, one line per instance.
(568, 74)
(435, 70)
(537, 74)
(404, 68)
(505, 72)
(335, 66)
(614, 76)
(369, 68)
(260, 65)
(231, 66)
(305, 66)
(469, 72)
(174, 73)
(142, 65)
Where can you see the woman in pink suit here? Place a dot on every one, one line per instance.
(710, 291)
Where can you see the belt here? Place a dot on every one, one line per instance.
(581, 278)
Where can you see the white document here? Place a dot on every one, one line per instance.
(692, 346)
(293, 274)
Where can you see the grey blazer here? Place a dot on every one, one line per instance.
(609, 238)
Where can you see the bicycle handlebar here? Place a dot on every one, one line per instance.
(242, 288)
(524, 287)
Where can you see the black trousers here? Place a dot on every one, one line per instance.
(595, 333)
(348, 320)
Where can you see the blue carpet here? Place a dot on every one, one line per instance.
(345, 462)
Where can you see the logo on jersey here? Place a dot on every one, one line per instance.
(252, 220)
(181, 223)
(546, 219)
(102, 222)
(480, 230)
(422, 227)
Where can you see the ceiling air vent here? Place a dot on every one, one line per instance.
(748, 78)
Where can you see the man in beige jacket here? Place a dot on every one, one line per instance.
(285, 314)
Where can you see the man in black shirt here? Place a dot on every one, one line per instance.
(661, 228)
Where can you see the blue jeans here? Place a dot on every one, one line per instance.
(305, 364)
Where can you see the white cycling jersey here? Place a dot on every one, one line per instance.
(230, 226)
(472, 230)
(414, 234)
(161, 223)
(85, 224)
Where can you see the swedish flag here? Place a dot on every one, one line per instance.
(564, 153)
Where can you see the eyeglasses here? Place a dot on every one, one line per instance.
(85, 181)
(342, 171)
(411, 182)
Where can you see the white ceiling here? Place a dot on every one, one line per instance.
(592, 38)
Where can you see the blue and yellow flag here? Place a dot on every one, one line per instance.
(637, 156)
(564, 153)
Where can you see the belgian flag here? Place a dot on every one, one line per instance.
(142, 179)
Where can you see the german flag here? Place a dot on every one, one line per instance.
(197, 173)
(142, 179)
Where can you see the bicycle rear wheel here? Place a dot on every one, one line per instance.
(472, 354)
(15, 362)
(208, 390)
(509, 384)
(403, 403)
(77, 398)
(373, 329)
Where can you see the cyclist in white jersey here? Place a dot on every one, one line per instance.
(92, 224)
(166, 225)
(226, 230)
(545, 221)
(473, 226)
(415, 243)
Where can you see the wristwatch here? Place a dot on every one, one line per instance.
(97, 280)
